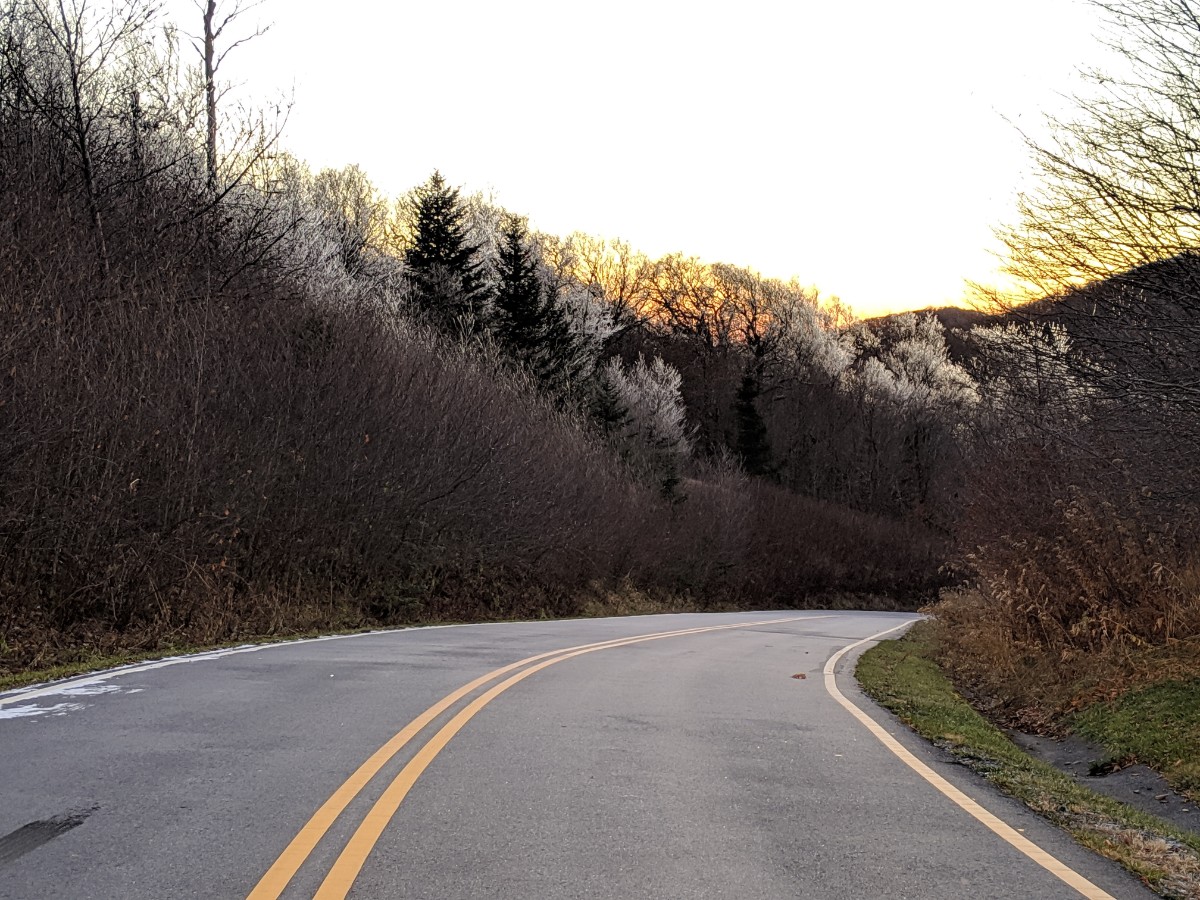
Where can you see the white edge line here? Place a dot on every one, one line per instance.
(50, 689)
(999, 827)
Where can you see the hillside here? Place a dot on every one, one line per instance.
(242, 398)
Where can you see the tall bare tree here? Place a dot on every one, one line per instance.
(216, 20)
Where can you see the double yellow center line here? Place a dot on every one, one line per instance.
(349, 863)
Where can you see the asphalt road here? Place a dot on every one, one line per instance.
(688, 766)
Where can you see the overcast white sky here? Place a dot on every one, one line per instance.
(861, 147)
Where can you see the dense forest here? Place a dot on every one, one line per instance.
(242, 398)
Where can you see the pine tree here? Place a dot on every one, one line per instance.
(444, 270)
(519, 296)
(752, 446)
(608, 406)
(529, 324)
(559, 364)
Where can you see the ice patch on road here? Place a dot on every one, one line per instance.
(75, 691)
(19, 695)
(92, 690)
(32, 709)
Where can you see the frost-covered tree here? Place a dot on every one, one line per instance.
(656, 431)
(809, 345)
(60, 65)
(483, 220)
(915, 371)
(911, 401)
(591, 314)
(592, 324)
(1027, 374)
(311, 246)
(352, 209)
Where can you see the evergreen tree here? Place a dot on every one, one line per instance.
(519, 295)
(752, 446)
(444, 270)
(529, 323)
(559, 365)
(608, 406)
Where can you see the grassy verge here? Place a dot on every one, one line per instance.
(1157, 725)
(903, 676)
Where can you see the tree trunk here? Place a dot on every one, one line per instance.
(210, 97)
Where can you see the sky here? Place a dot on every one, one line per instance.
(867, 149)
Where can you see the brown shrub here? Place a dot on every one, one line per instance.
(1085, 579)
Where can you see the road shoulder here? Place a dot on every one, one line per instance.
(902, 676)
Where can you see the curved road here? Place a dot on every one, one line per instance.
(683, 765)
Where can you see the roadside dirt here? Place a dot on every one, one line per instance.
(1139, 786)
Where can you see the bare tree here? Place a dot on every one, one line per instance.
(1118, 186)
(612, 269)
(1112, 232)
(216, 20)
(70, 80)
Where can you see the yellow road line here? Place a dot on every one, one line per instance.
(272, 884)
(345, 870)
(996, 825)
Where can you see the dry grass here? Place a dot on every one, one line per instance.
(1086, 577)
(1035, 685)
